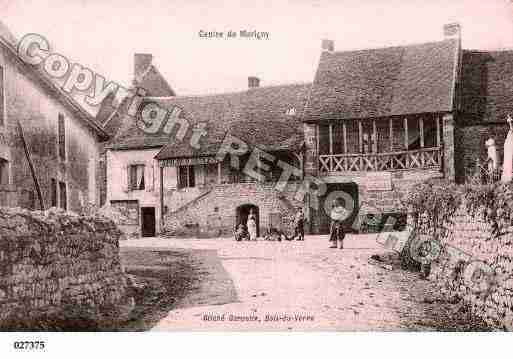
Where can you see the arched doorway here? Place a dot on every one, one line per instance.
(242, 212)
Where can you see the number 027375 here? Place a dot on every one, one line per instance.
(29, 345)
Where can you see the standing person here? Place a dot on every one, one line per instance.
(338, 214)
(507, 164)
(299, 230)
(252, 226)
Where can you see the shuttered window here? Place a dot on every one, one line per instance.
(186, 177)
(136, 180)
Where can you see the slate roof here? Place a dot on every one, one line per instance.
(487, 85)
(384, 82)
(256, 116)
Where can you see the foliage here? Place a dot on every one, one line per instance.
(432, 204)
(494, 203)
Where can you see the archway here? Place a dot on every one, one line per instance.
(242, 212)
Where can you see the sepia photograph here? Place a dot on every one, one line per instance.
(302, 166)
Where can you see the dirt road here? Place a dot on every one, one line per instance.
(298, 286)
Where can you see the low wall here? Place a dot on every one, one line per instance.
(475, 227)
(59, 269)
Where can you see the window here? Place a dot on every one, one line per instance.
(61, 138)
(54, 192)
(136, 177)
(62, 196)
(186, 176)
(4, 171)
(31, 200)
(2, 95)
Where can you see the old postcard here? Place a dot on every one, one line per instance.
(285, 166)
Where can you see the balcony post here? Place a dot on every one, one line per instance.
(344, 130)
(437, 119)
(391, 133)
(421, 132)
(448, 150)
(374, 140)
(360, 136)
(161, 197)
(331, 138)
(406, 133)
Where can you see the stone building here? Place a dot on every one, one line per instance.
(373, 124)
(128, 161)
(380, 121)
(63, 139)
(159, 183)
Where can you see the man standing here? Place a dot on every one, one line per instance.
(299, 229)
(338, 214)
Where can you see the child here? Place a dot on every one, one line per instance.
(240, 233)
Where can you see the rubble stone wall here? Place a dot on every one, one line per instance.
(58, 266)
(476, 260)
(214, 213)
(476, 237)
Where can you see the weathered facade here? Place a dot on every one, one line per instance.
(160, 183)
(373, 124)
(379, 121)
(63, 139)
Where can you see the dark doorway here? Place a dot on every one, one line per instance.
(242, 213)
(148, 221)
(351, 189)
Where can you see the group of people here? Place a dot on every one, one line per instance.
(248, 231)
(338, 214)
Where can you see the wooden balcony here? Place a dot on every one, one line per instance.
(425, 158)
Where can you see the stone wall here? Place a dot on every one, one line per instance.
(475, 264)
(56, 267)
(213, 214)
(372, 199)
(475, 236)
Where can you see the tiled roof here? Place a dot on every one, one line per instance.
(487, 84)
(384, 82)
(256, 116)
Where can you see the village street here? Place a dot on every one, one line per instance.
(301, 285)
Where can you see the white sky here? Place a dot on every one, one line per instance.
(104, 34)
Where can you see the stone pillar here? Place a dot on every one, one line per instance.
(448, 146)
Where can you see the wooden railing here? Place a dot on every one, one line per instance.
(425, 158)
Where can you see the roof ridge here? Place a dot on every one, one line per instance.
(229, 92)
(390, 47)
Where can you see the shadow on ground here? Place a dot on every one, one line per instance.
(164, 280)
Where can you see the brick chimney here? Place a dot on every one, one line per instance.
(141, 64)
(452, 31)
(253, 82)
(328, 45)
